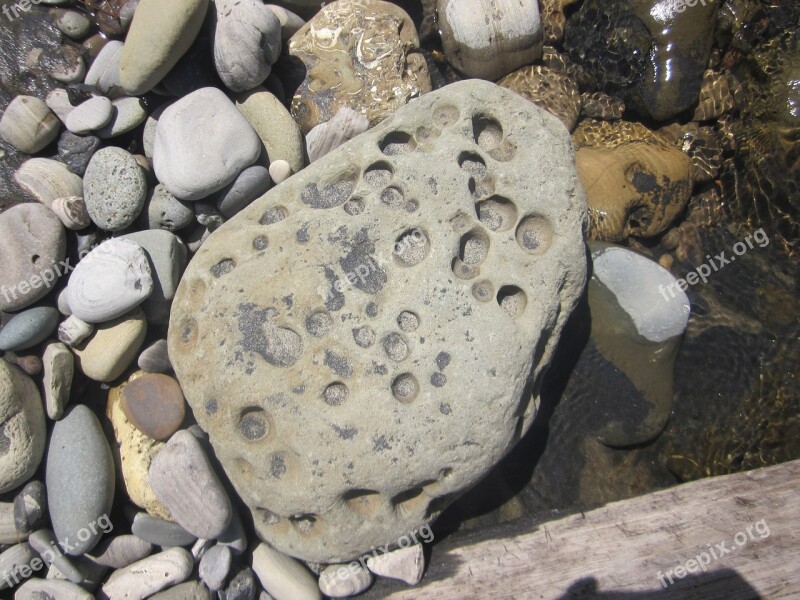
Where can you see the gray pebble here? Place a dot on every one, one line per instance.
(45, 543)
(234, 536)
(72, 23)
(160, 532)
(155, 358)
(120, 551)
(28, 124)
(104, 72)
(127, 115)
(280, 170)
(28, 329)
(14, 562)
(114, 189)
(249, 185)
(167, 254)
(30, 507)
(47, 589)
(164, 211)
(184, 481)
(214, 567)
(80, 480)
(191, 590)
(73, 331)
(242, 586)
(58, 102)
(90, 115)
(76, 151)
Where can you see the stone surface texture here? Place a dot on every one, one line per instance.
(357, 342)
(362, 54)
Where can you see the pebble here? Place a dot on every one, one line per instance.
(162, 210)
(343, 581)
(135, 451)
(111, 280)
(34, 245)
(167, 255)
(76, 151)
(58, 102)
(234, 536)
(215, 566)
(47, 179)
(63, 63)
(290, 22)
(32, 365)
(23, 428)
(119, 551)
(16, 562)
(149, 575)
(160, 532)
(202, 143)
(282, 576)
(104, 72)
(47, 589)
(113, 347)
(490, 48)
(44, 542)
(191, 590)
(72, 23)
(72, 212)
(30, 507)
(159, 35)
(79, 479)
(241, 586)
(126, 115)
(28, 124)
(28, 328)
(59, 368)
(280, 171)
(345, 125)
(155, 358)
(251, 183)
(184, 480)
(247, 41)
(405, 564)
(114, 188)
(149, 131)
(73, 331)
(276, 128)
(154, 404)
(93, 574)
(90, 115)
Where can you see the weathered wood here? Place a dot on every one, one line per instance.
(629, 549)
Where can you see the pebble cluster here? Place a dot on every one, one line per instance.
(166, 120)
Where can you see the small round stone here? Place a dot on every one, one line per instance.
(335, 394)
(165, 211)
(90, 115)
(154, 404)
(280, 171)
(114, 188)
(28, 124)
(28, 329)
(408, 321)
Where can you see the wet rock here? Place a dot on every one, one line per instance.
(161, 532)
(111, 280)
(59, 367)
(405, 564)
(599, 105)
(247, 41)
(89, 115)
(489, 47)
(28, 124)
(344, 126)
(149, 575)
(275, 126)
(202, 143)
(72, 23)
(114, 189)
(154, 404)
(552, 90)
(120, 551)
(46, 180)
(164, 211)
(113, 347)
(376, 80)
(22, 428)
(716, 96)
(159, 35)
(184, 480)
(34, 244)
(636, 180)
(80, 480)
(282, 576)
(76, 151)
(376, 218)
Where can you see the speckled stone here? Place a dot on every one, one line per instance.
(114, 188)
(347, 70)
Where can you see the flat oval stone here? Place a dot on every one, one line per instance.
(150, 575)
(22, 427)
(28, 328)
(191, 590)
(113, 347)
(28, 124)
(215, 566)
(343, 581)
(36, 589)
(155, 358)
(90, 115)
(167, 255)
(241, 586)
(72, 212)
(59, 368)
(160, 532)
(114, 188)
(249, 185)
(405, 564)
(442, 191)
(111, 280)
(283, 576)
(154, 404)
(47, 179)
(14, 562)
(127, 115)
(202, 143)
(104, 72)
(79, 479)
(119, 551)
(34, 244)
(184, 480)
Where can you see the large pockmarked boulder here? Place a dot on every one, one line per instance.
(365, 341)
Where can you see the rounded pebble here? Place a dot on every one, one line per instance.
(155, 358)
(28, 124)
(280, 171)
(160, 532)
(114, 188)
(149, 575)
(283, 576)
(154, 404)
(59, 367)
(72, 212)
(90, 115)
(113, 347)
(214, 567)
(28, 329)
(119, 551)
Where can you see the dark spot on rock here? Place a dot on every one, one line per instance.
(334, 194)
(319, 324)
(253, 424)
(335, 394)
(364, 336)
(338, 364)
(645, 183)
(279, 346)
(260, 242)
(438, 379)
(272, 215)
(444, 408)
(211, 407)
(360, 268)
(300, 389)
(223, 267)
(288, 300)
(346, 433)
(5, 441)
(335, 300)
(277, 466)
(442, 360)
(372, 310)
(379, 369)
(379, 444)
(302, 234)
